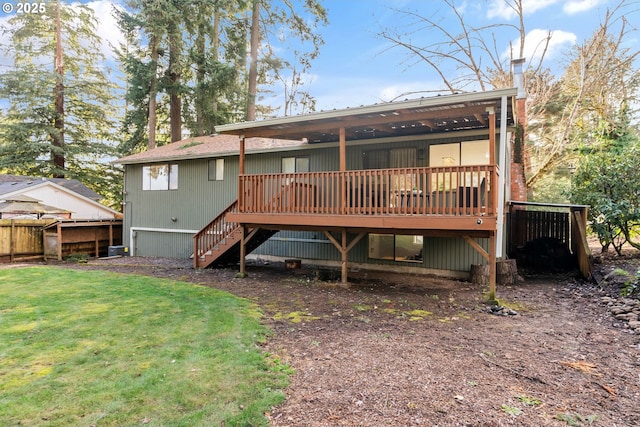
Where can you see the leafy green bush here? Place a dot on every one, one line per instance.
(607, 179)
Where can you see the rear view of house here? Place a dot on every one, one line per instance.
(418, 185)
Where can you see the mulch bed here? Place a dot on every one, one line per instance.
(404, 350)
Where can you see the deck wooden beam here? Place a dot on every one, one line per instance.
(344, 247)
(343, 150)
(252, 233)
(378, 222)
(492, 136)
(475, 245)
(241, 160)
(343, 258)
(492, 268)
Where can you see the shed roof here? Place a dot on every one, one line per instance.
(33, 206)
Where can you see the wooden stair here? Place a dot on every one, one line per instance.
(218, 243)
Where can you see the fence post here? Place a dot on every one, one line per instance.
(12, 243)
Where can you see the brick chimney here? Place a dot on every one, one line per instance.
(518, 180)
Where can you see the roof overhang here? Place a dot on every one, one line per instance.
(434, 115)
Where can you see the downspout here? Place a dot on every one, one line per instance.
(502, 158)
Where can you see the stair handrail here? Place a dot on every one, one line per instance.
(213, 233)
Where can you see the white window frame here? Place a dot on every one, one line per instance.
(160, 177)
(218, 169)
(297, 164)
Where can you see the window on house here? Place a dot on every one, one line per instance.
(395, 247)
(394, 158)
(295, 164)
(216, 170)
(376, 159)
(456, 154)
(474, 153)
(160, 177)
(459, 153)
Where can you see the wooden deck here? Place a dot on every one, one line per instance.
(442, 201)
(404, 199)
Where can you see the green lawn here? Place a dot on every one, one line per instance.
(87, 348)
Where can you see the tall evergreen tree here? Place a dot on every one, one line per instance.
(191, 58)
(57, 110)
(291, 28)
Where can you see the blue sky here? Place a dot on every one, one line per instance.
(356, 67)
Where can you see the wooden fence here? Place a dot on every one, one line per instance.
(21, 239)
(26, 239)
(527, 226)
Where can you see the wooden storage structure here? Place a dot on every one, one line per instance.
(89, 237)
(564, 223)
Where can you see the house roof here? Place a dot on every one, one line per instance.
(12, 190)
(13, 183)
(439, 114)
(207, 146)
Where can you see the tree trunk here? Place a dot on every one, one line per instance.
(480, 274)
(58, 135)
(200, 76)
(153, 45)
(253, 66)
(175, 103)
(507, 272)
(215, 58)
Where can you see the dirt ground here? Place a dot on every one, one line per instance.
(403, 350)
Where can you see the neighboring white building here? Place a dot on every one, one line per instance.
(65, 194)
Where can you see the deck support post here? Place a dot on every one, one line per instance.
(492, 267)
(492, 135)
(344, 249)
(243, 251)
(59, 232)
(241, 195)
(491, 259)
(241, 159)
(343, 168)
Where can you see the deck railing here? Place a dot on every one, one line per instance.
(212, 234)
(451, 190)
